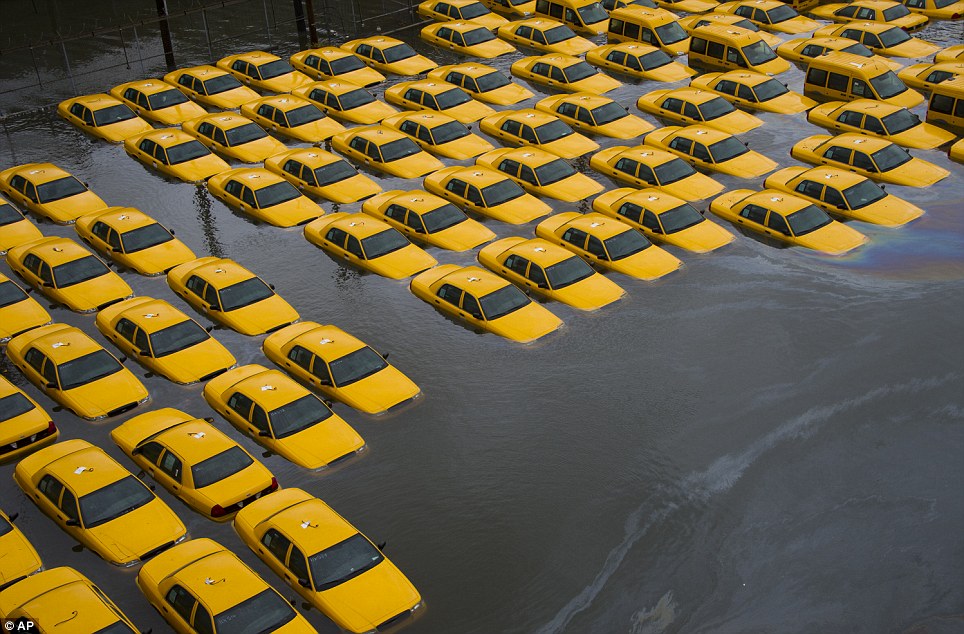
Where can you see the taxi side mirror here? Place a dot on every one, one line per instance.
(72, 522)
(52, 385)
(13, 517)
(324, 381)
(304, 583)
(145, 353)
(264, 434)
(214, 308)
(477, 315)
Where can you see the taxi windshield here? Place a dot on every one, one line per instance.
(449, 132)
(274, 69)
(77, 271)
(492, 81)
(166, 99)
(399, 149)
(656, 59)
(244, 294)
(592, 13)
(356, 366)
(184, 152)
(478, 36)
(893, 37)
(145, 237)
(473, 10)
(355, 98)
(746, 24)
(177, 337)
(781, 14)
(264, 612)
(399, 52)
(808, 219)
(446, 216)
(298, 415)
(673, 171)
(14, 405)
(59, 189)
(113, 500)
(219, 467)
(671, 33)
(727, 149)
(568, 272)
(608, 113)
(113, 114)
(500, 303)
(219, 84)
(890, 157)
(626, 244)
(579, 71)
(858, 49)
(554, 172)
(895, 12)
(302, 115)
(682, 217)
(770, 89)
(864, 193)
(451, 98)
(501, 192)
(383, 243)
(887, 85)
(345, 64)
(87, 368)
(715, 108)
(343, 561)
(8, 214)
(552, 131)
(245, 134)
(900, 121)
(276, 194)
(758, 52)
(558, 34)
(334, 172)
(10, 293)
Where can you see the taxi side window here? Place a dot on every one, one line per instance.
(538, 37)
(396, 212)
(698, 45)
(181, 600)
(647, 174)
(87, 116)
(871, 41)
(863, 161)
(861, 89)
(276, 543)
(240, 66)
(51, 488)
(444, 33)
(365, 50)
(847, 12)
(761, 16)
(413, 95)
(359, 144)
(517, 264)
(240, 404)
(510, 167)
(595, 246)
(125, 328)
(219, 136)
(726, 86)
(836, 81)
(528, 175)
(745, 92)
(456, 186)
(837, 153)
(817, 77)
(68, 504)
(528, 134)
(537, 275)
(616, 57)
(575, 237)
(279, 117)
(471, 306)
(474, 196)
(851, 118)
(35, 359)
(540, 68)
(336, 236)
(754, 213)
(733, 56)
(450, 293)
(298, 564)
(714, 49)
(259, 418)
(140, 340)
(159, 154)
(691, 111)
(456, 78)
(409, 127)
(873, 124)
(301, 357)
(682, 144)
(354, 247)
(812, 50)
(373, 152)
(234, 187)
(425, 135)
(556, 73)
(147, 147)
(142, 101)
(248, 196)
(630, 211)
(45, 274)
(113, 240)
(512, 127)
(196, 285)
(291, 167)
(567, 109)
(832, 197)
(744, 11)
(30, 192)
(633, 62)
(778, 223)
(186, 80)
(627, 166)
(673, 105)
(100, 230)
(651, 222)
(631, 31)
(415, 222)
(585, 116)
(151, 451)
(171, 465)
(700, 152)
(211, 296)
(202, 620)
(206, 129)
(320, 370)
(524, 31)
(810, 188)
(457, 39)
(50, 372)
(571, 16)
(378, 56)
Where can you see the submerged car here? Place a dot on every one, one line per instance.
(881, 119)
(486, 192)
(212, 87)
(18, 311)
(484, 300)
(322, 174)
(389, 55)
(639, 60)
(20, 557)
(804, 50)
(543, 34)
(596, 114)
(133, 239)
(446, 10)
(429, 219)
(341, 99)
(263, 71)
(292, 116)
(466, 38)
(711, 149)
(157, 101)
(15, 229)
(646, 166)
(386, 150)
(103, 116)
(881, 38)
(49, 192)
(874, 158)
(439, 134)
(787, 219)
(564, 72)
(541, 173)
(176, 154)
(693, 22)
(770, 15)
(484, 83)
(25, 427)
(234, 136)
(754, 91)
(530, 127)
(687, 106)
(331, 62)
(926, 76)
(886, 11)
(441, 96)
(264, 195)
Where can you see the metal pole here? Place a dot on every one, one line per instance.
(70, 74)
(166, 34)
(310, 10)
(140, 57)
(207, 33)
(120, 34)
(300, 22)
(267, 27)
(33, 58)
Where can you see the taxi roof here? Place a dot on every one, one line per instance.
(96, 101)
(472, 69)
(558, 59)
(377, 134)
(61, 342)
(596, 224)
(147, 86)
(270, 389)
(122, 218)
(331, 52)
(459, 3)
(417, 200)
(86, 470)
(869, 106)
(736, 35)
(536, 23)
(312, 525)
(476, 280)
(334, 86)
(529, 116)
(360, 225)
(857, 142)
(636, 48)
(283, 102)
(205, 71)
(874, 4)
(854, 62)
(954, 86)
(478, 175)
(167, 137)
(429, 118)
(777, 200)
(55, 251)
(152, 314)
(646, 154)
(652, 199)
(766, 5)
(431, 86)
(253, 177)
(220, 580)
(329, 342)
(39, 173)
(831, 176)
(311, 156)
(253, 57)
(62, 597)
(461, 26)
(527, 155)
(540, 251)
(723, 18)
(193, 440)
(221, 272)
(701, 133)
(639, 14)
(224, 120)
(745, 77)
(377, 41)
(830, 41)
(693, 95)
(872, 27)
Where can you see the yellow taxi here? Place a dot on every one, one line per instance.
(541, 173)
(872, 157)
(282, 416)
(804, 50)
(264, 195)
(654, 26)
(439, 134)
(511, 9)
(486, 192)
(340, 366)
(711, 149)
(844, 194)
(429, 219)
(754, 91)
(176, 154)
(20, 559)
(98, 502)
(887, 11)
(157, 101)
(688, 6)
(770, 15)
(440, 96)
(645, 166)
(950, 54)
(926, 76)
(322, 174)
(103, 116)
(937, 9)
(881, 38)
(331, 62)
(200, 586)
(531, 127)
(368, 243)
(65, 599)
(447, 10)
(14, 228)
(164, 340)
(24, 428)
(328, 562)
(466, 38)
(76, 372)
(211, 86)
(608, 243)
(484, 83)
(68, 274)
(638, 60)
(688, 106)
(692, 22)
(263, 71)
(550, 271)
(341, 99)
(594, 113)
(293, 117)
(230, 294)
(787, 219)
(386, 150)
(389, 55)
(234, 136)
(194, 461)
(878, 118)
(663, 218)
(956, 151)
(564, 72)
(18, 311)
(49, 192)
(543, 34)
(485, 301)
(586, 16)
(133, 239)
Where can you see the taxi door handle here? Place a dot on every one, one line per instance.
(175, 487)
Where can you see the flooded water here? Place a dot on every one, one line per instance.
(768, 440)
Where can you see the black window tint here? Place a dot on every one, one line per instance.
(182, 601)
(151, 451)
(817, 77)
(240, 404)
(450, 293)
(51, 488)
(714, 49)
(630, 211)
(778, 223)
(754, 213)
(837, 81)
(171, 465)
(698, 45)
(301, 356)
(810, 188)
(297, 563)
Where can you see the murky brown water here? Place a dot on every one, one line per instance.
(766, 441)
